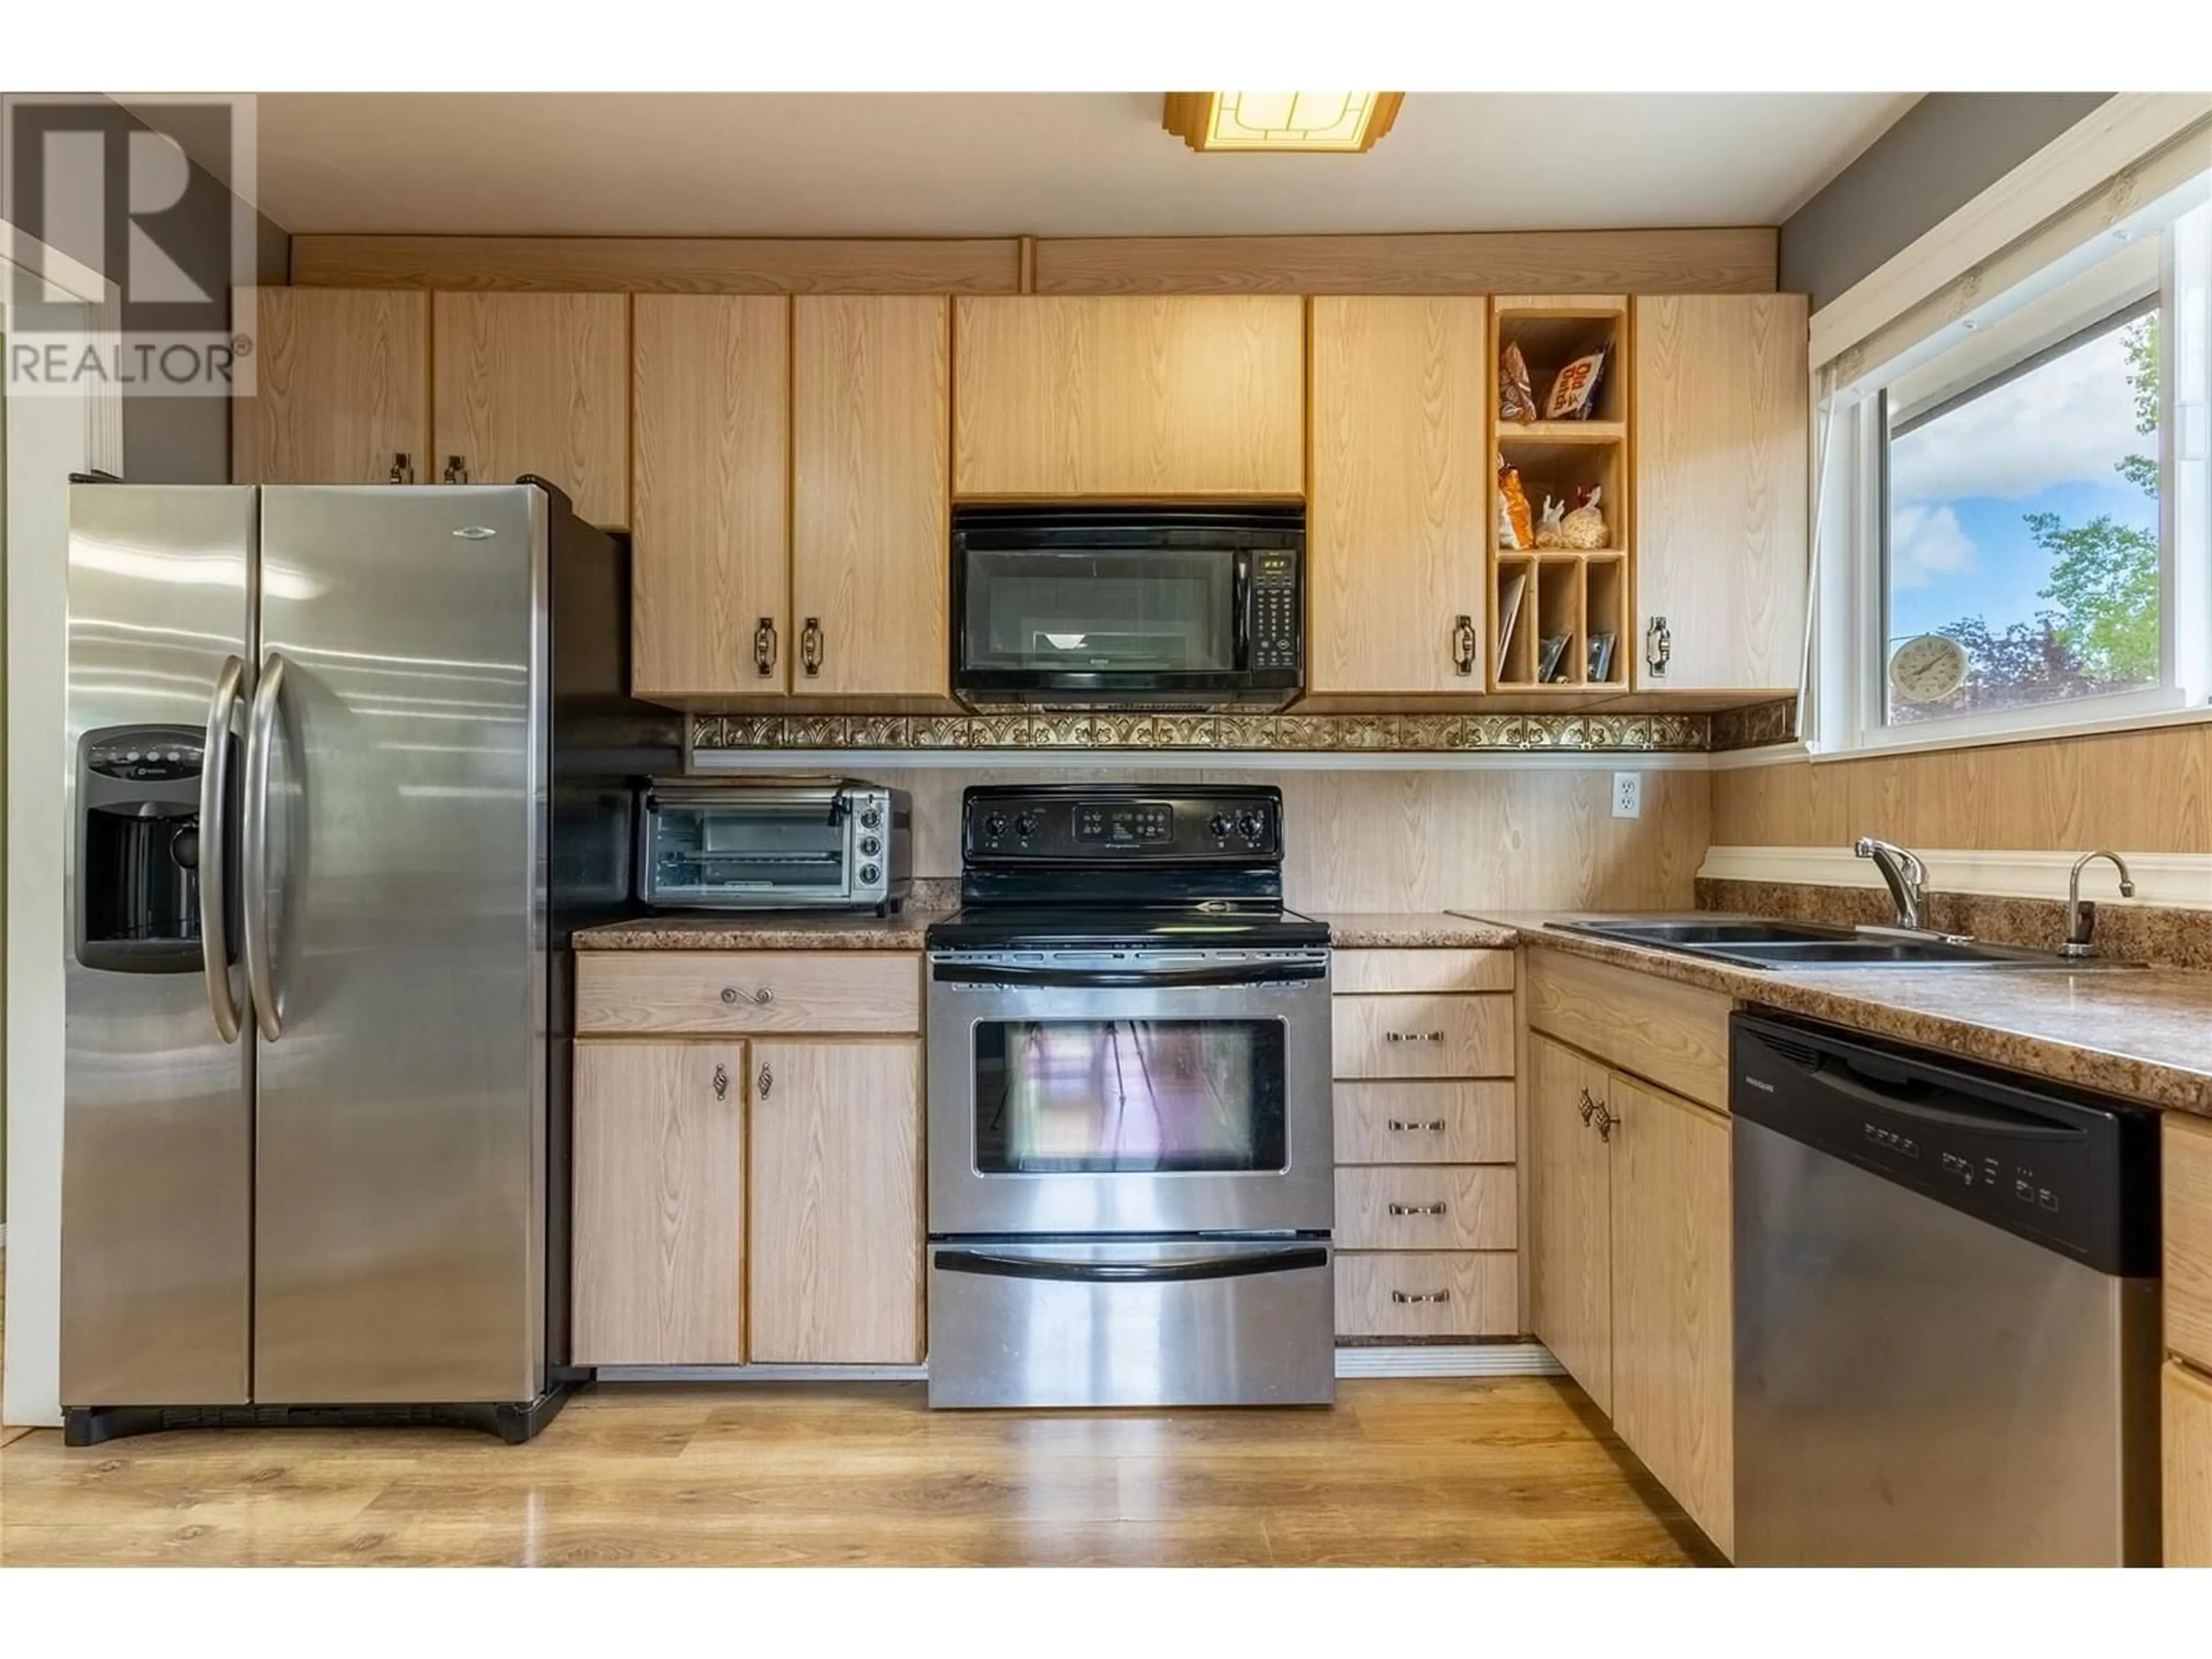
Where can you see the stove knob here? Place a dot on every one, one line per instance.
(1220, 823)
(994, 826)
(871, 819)
(1025, 826)
(1250, 825)
(870, 846)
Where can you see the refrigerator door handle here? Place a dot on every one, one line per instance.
(253, 851)
(215, 849)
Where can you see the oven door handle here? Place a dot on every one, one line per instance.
(1295, 1259)
(1075, 979)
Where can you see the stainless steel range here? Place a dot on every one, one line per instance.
(1130, 1163)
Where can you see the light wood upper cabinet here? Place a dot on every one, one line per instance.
(710, 570)
(659, 1184)
(836, 1258)
(341, 389)
(871, 522)
(1673, 1357)
(1401, 483)
(536, 383)
(1722, 508)
(1569, 1232)
(1130, 397)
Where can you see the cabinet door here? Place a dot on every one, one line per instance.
(871, 524)
(1673, 1376)
(537, 383)
(1570, 1216)
(658, 1183)
(836, 1215)
(1118, 396)
(710, 570)
(2188, 1455)
(1395, 524)
(1722, 516)
(341, 389)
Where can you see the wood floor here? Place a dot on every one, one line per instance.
(1402, 1472)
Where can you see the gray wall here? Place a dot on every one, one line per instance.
(1946, 149)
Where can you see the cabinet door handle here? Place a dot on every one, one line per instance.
(765, 647)
(1414, 1037)
(457, 469)
(403, 467)
(764, 1082)
(809, 647)
(1588, 1105)
(732, 996)
(1658, 646)
(1463, 645)
(1421, 1296)
(721, 1083)
(1437, 1208)
(1434, 1125)
(1605, 1121)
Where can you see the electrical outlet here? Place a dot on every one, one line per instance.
(1628, 794)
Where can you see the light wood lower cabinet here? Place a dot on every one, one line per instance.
(1427, 1294)
(837, 1202)
(1411, 1037)
(2186, 1145)
(2188, 1450)
(747, 993)
(658, 1219)
(1569, 1216)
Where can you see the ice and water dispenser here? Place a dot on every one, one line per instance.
(138, 848)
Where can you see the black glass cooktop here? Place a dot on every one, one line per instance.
(1220, 926)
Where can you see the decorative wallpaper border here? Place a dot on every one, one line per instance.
(1234, 733)
(1755, 727)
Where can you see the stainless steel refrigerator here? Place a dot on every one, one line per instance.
(346, 766)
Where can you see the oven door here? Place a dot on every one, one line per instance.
(1154, 1091)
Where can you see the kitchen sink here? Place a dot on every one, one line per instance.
(1749, 942)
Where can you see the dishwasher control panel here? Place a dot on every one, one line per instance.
(2068, 1171)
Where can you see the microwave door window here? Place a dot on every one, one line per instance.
(1129, 1097)
(704, 852)
(1153, 612)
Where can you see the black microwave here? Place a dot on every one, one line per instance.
(1157, 607)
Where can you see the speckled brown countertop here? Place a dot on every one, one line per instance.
(1434, 930)
(2142, 1033)
(755, 930)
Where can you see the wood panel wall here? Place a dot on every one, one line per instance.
(1729, 260)
(1422, 840)
(2139, 792)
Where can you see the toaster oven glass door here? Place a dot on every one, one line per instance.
(1070, 610)
(721, 853)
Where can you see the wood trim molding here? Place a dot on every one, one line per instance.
(1741, 260)
(660, 264)
(2172, 880)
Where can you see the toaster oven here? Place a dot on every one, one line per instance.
(774, 844)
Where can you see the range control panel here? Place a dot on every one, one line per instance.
(1113, 823)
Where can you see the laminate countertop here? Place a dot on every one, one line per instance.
(2144, 1034)
(1432, 930)
(755, 930)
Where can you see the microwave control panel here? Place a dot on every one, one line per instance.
(1276, 622)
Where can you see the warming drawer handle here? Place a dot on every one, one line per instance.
(1837, 1075)
(1013, 975)
(983, 1264)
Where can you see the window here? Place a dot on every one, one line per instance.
(2022, 551)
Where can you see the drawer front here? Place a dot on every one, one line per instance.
(1427, 1294)
(1421, 970)
(1402, 1036)
(1427, 1207)
(1425, 1122)
(817, 992)
(2188, 1158)
(1674, 1035)
(2188, 1455)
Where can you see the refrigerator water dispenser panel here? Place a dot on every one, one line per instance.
(138, 827)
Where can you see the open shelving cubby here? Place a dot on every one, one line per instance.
(1547, 593)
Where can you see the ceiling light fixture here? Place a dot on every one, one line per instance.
(1339, 121)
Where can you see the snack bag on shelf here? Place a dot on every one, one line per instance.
(1516, 401)
(1513, 511)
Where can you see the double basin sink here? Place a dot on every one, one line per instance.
(1749, 942)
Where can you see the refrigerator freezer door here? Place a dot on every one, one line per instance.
(394, 906)
(157, 1150)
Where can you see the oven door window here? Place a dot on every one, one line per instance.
(1111, 1097)
(712, 851)
(1101, 612)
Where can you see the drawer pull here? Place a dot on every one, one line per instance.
(1588, 1105)
(1605, 1121)
(1414, 1036)
(721, 1083)
(1434, 1125)
(1437, 1208)
(731, 995)
(1421, 1296)
(765, 1081)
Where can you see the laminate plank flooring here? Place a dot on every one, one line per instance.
(1461, 1471)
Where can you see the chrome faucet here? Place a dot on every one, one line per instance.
(1907, 879)
(2080, 916)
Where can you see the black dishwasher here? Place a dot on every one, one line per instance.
(1946, 1309)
